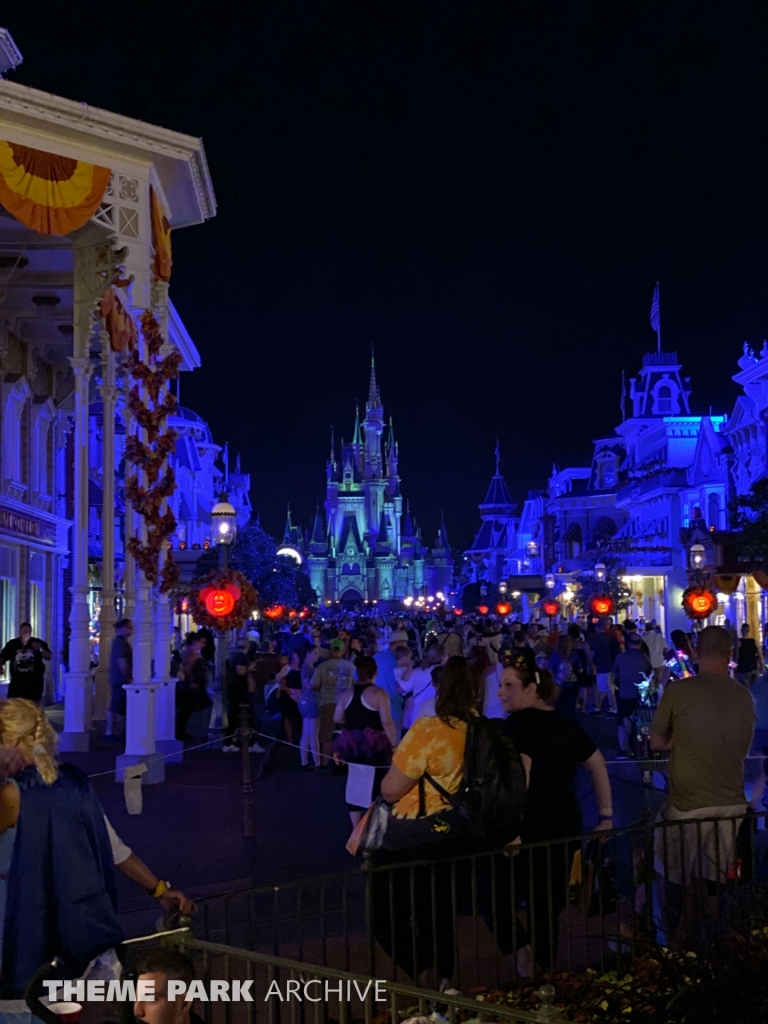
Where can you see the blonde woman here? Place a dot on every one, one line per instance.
(57, 886)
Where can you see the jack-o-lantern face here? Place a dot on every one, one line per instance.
(219, 603)
(602, 605)
(551, 608)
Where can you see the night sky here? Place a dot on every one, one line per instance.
(484, 191)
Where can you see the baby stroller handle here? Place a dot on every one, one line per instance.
(38, 1008)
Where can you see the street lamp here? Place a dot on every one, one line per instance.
(549, 579)
(223, 534)
(697, 555)
(503, 587)
(223, 527)
(600, 572)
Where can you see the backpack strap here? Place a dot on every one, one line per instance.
(436, 786)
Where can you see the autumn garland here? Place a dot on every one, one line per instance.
(219, 579)
(151, 456)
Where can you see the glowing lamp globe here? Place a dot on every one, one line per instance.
(223, 522)
(602, 605)
(483, 609)
(550, 608)
(503, 608)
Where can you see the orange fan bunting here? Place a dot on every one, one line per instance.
(51, 194)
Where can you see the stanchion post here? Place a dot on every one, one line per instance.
(245, 740)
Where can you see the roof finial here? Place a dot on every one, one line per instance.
(498, 456)
(333, 447)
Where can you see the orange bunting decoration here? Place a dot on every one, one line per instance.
(53, 195)
(550, 608)
(602, 605)
(121, 326)
(699, 603)
(161, 239)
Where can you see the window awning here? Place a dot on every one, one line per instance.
(572, 534)
(604, 529)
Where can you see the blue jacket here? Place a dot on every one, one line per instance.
(61, 891)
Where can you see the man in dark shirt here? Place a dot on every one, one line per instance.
(631, 667)
(749, 660)
(27, 655)
(120, 672)
(605, 649)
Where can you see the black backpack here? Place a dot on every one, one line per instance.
(491, 798)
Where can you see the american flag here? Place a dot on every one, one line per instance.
(656, 310)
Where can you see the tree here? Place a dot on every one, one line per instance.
(750, 520)
(589, 586)
(278, 580)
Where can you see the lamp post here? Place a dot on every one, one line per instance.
(600, 572)
(223, 533)
(503, 587)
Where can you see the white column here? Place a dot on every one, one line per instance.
(107, 614)
(165, 725)
(140, 733)
(140, 710)
(78, 690)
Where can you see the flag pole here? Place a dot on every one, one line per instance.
(658, 329)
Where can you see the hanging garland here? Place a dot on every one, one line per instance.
(224, 599)
(151, 456)
(699, 602)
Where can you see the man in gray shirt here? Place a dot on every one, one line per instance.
(331, 679)
(707, 722)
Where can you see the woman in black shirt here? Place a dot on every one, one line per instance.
(551, 746)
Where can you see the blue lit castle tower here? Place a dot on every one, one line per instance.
(368, 549)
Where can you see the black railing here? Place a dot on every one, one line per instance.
(591, 901)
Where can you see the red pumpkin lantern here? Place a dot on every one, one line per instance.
(458, 611)
(699, 603)
(601, 605)
(503, 609)
(274, 612)
(551, 608)
(219, 603)
(483, 609)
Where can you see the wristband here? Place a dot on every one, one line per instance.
(160, 888)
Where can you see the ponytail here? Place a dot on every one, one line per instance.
(21, 721)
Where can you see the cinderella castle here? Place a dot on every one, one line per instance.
(369, 549)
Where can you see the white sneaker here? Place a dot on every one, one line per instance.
(256, 748)
(229, 748)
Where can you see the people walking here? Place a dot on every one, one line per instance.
(192, 688)
(27, 655)
(120, 673)
(605, 649)
(366, 739)
(387, 663)
(749, 658)
(630, 668)
(332, 677)
(309, 709)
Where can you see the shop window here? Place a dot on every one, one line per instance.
(37, 593)
(8, 600)
(14, 400)
(713, 511)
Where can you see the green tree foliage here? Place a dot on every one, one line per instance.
(750, 519)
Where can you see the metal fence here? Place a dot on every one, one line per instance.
(485, 920)
(286, 991)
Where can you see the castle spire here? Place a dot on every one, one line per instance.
(374, 398)
(390, 438)
(287, 536)
(498, 456)
(356, 435)
(332, 459)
